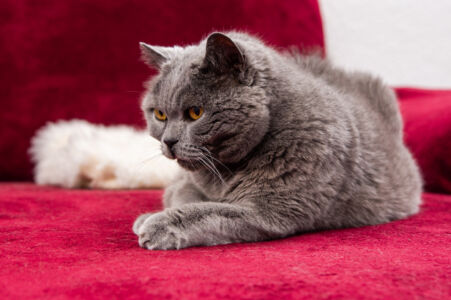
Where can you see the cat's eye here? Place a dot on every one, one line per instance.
(195, 112)
(159, 115)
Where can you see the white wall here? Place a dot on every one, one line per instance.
(407, 42)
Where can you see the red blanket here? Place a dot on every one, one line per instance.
(67, 244)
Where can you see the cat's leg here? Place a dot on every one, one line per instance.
(210, 223)
(179, 193)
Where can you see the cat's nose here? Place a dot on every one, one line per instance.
(170, 142)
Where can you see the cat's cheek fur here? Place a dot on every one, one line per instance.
(246, 137)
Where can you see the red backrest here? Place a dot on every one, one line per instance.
(80, 59)
(427, 132)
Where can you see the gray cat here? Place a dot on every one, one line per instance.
(271, 144)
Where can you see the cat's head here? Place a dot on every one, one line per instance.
(206, 102)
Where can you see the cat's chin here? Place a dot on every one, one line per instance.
(189, 165)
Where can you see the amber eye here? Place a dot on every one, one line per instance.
(160, 115)
(195, 112)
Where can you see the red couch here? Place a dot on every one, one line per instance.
(79, 59)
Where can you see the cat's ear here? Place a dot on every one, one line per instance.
(222, 55)
(155, 56)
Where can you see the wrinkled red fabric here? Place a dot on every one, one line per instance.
(70, 244)
(80, 59)
(427, 118)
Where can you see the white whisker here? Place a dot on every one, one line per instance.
(212, 167)
(216, 160)
(145, 162)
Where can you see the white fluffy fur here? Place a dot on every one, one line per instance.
(76, 154)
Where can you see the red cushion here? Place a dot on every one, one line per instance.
(79, 244)
(80, 59)
(427, 118)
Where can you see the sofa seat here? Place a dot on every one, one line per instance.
(58, 243)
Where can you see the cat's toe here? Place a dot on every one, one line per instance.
(145, 243)
(156, 234)
(139, 221)
(149, 242)
(162, 240)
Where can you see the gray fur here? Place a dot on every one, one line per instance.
(287, 144)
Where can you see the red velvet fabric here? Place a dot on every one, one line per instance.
(70, 244)
(427, 118)
(80, 59)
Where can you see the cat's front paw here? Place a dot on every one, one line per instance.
(139, 221)
(157, 233)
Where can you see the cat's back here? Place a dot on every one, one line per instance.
(365, 93)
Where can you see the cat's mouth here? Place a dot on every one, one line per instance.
(187, 162)
(184, 163)
(169, 153)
